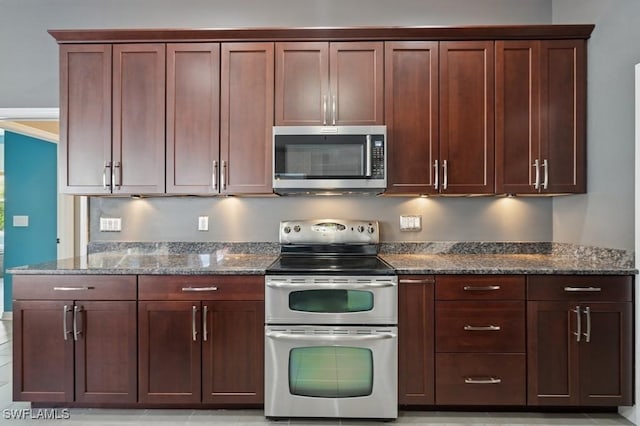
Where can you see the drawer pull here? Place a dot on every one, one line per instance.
(482, 328)
(199, 288)
(483, 381)
(410, 281)
(73, 288)
(483, 288)
(585, 289)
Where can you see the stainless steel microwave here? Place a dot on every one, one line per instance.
(329, 159)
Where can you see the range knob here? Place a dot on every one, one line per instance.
(296, 228)
(370, 229)
(287, 229)
(360, 228)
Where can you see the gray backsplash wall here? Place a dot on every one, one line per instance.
(240, 219)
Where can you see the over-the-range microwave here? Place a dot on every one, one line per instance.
(329, 159)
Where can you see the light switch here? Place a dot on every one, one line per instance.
(110, 224)
(203, 223)
(20, 221)
(411, 223)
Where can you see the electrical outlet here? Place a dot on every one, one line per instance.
(203, 223)
(110, 224)
(411, 223)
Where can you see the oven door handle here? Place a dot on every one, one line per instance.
(328, 337)
(321, 285)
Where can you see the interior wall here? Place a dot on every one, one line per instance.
(605, 215)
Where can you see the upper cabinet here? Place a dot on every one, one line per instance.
(320, 83)
(540, 116)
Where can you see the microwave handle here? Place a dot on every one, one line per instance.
(369, 157)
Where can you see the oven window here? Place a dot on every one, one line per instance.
(331, 301)
(331, 371)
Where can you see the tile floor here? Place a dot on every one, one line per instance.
(255, 417)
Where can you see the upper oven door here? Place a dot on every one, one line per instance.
(331, 299)
(340, 157)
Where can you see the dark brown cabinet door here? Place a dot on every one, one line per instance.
(42, 352)
(233, 352)
(247, 97)
(416, 380)
(411, 116)
(105, 352)
(138, 118)
(85, 119)
(356, 80)
(563, 115)
(169, 350)
(302, 83)
(193, 118)
(466, 117)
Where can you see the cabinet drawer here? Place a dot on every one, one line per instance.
(480, 287)
(203, 287)
(74, 287)
(480, 379)
(480, 326)
(580, 287)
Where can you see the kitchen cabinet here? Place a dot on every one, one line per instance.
(336, 83)
(415, 340)
(74, 339)
(540, 116)
(411, 115)
(480, 340)
(587, 320)
(201, 339)
(112, 118)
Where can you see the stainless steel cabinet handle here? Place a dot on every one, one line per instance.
(481, 288)
(482, 328)
(73, 288)
(65, 329)
(107, 165)
(410, 281)
(436, 172)
(205, 332)
(223, 176)
(578, 331)
(199, 288)
(194, 332)
(369, 157)
(334, 110)
(587, 314)
(536, 164)
(76, 313)
(583, 289)
(545, 164)
(324, 110)
(328, 337)
(214, 175)
(445, 175)
(117, 183)
(483, 381)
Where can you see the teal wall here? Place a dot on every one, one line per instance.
(30, 190)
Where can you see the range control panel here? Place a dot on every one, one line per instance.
(329, 231)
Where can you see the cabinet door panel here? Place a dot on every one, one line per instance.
(356, 71)
(246, 117)
(233, 353)
(563, 117)
(169, 355)
(302, 83)
(411, 115)
(193, 118)
(138, 118)
(85, 119)
(42, 357)
(106, 362)
(606, 370)
(517, 115)
(467, 117)
(552, 374)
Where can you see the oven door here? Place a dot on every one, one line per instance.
(325, 299)
(331, 372)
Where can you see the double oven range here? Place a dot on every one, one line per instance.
(330, 323)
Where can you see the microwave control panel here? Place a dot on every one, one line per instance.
(377, 154)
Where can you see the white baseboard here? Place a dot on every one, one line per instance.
(7, 316)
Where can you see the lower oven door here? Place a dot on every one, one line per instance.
(331, 371)
(326, 299)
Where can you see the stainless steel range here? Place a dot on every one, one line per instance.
(331, 323)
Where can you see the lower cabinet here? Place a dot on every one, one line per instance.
(201, 339)
(580, 340)
(74, 339)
